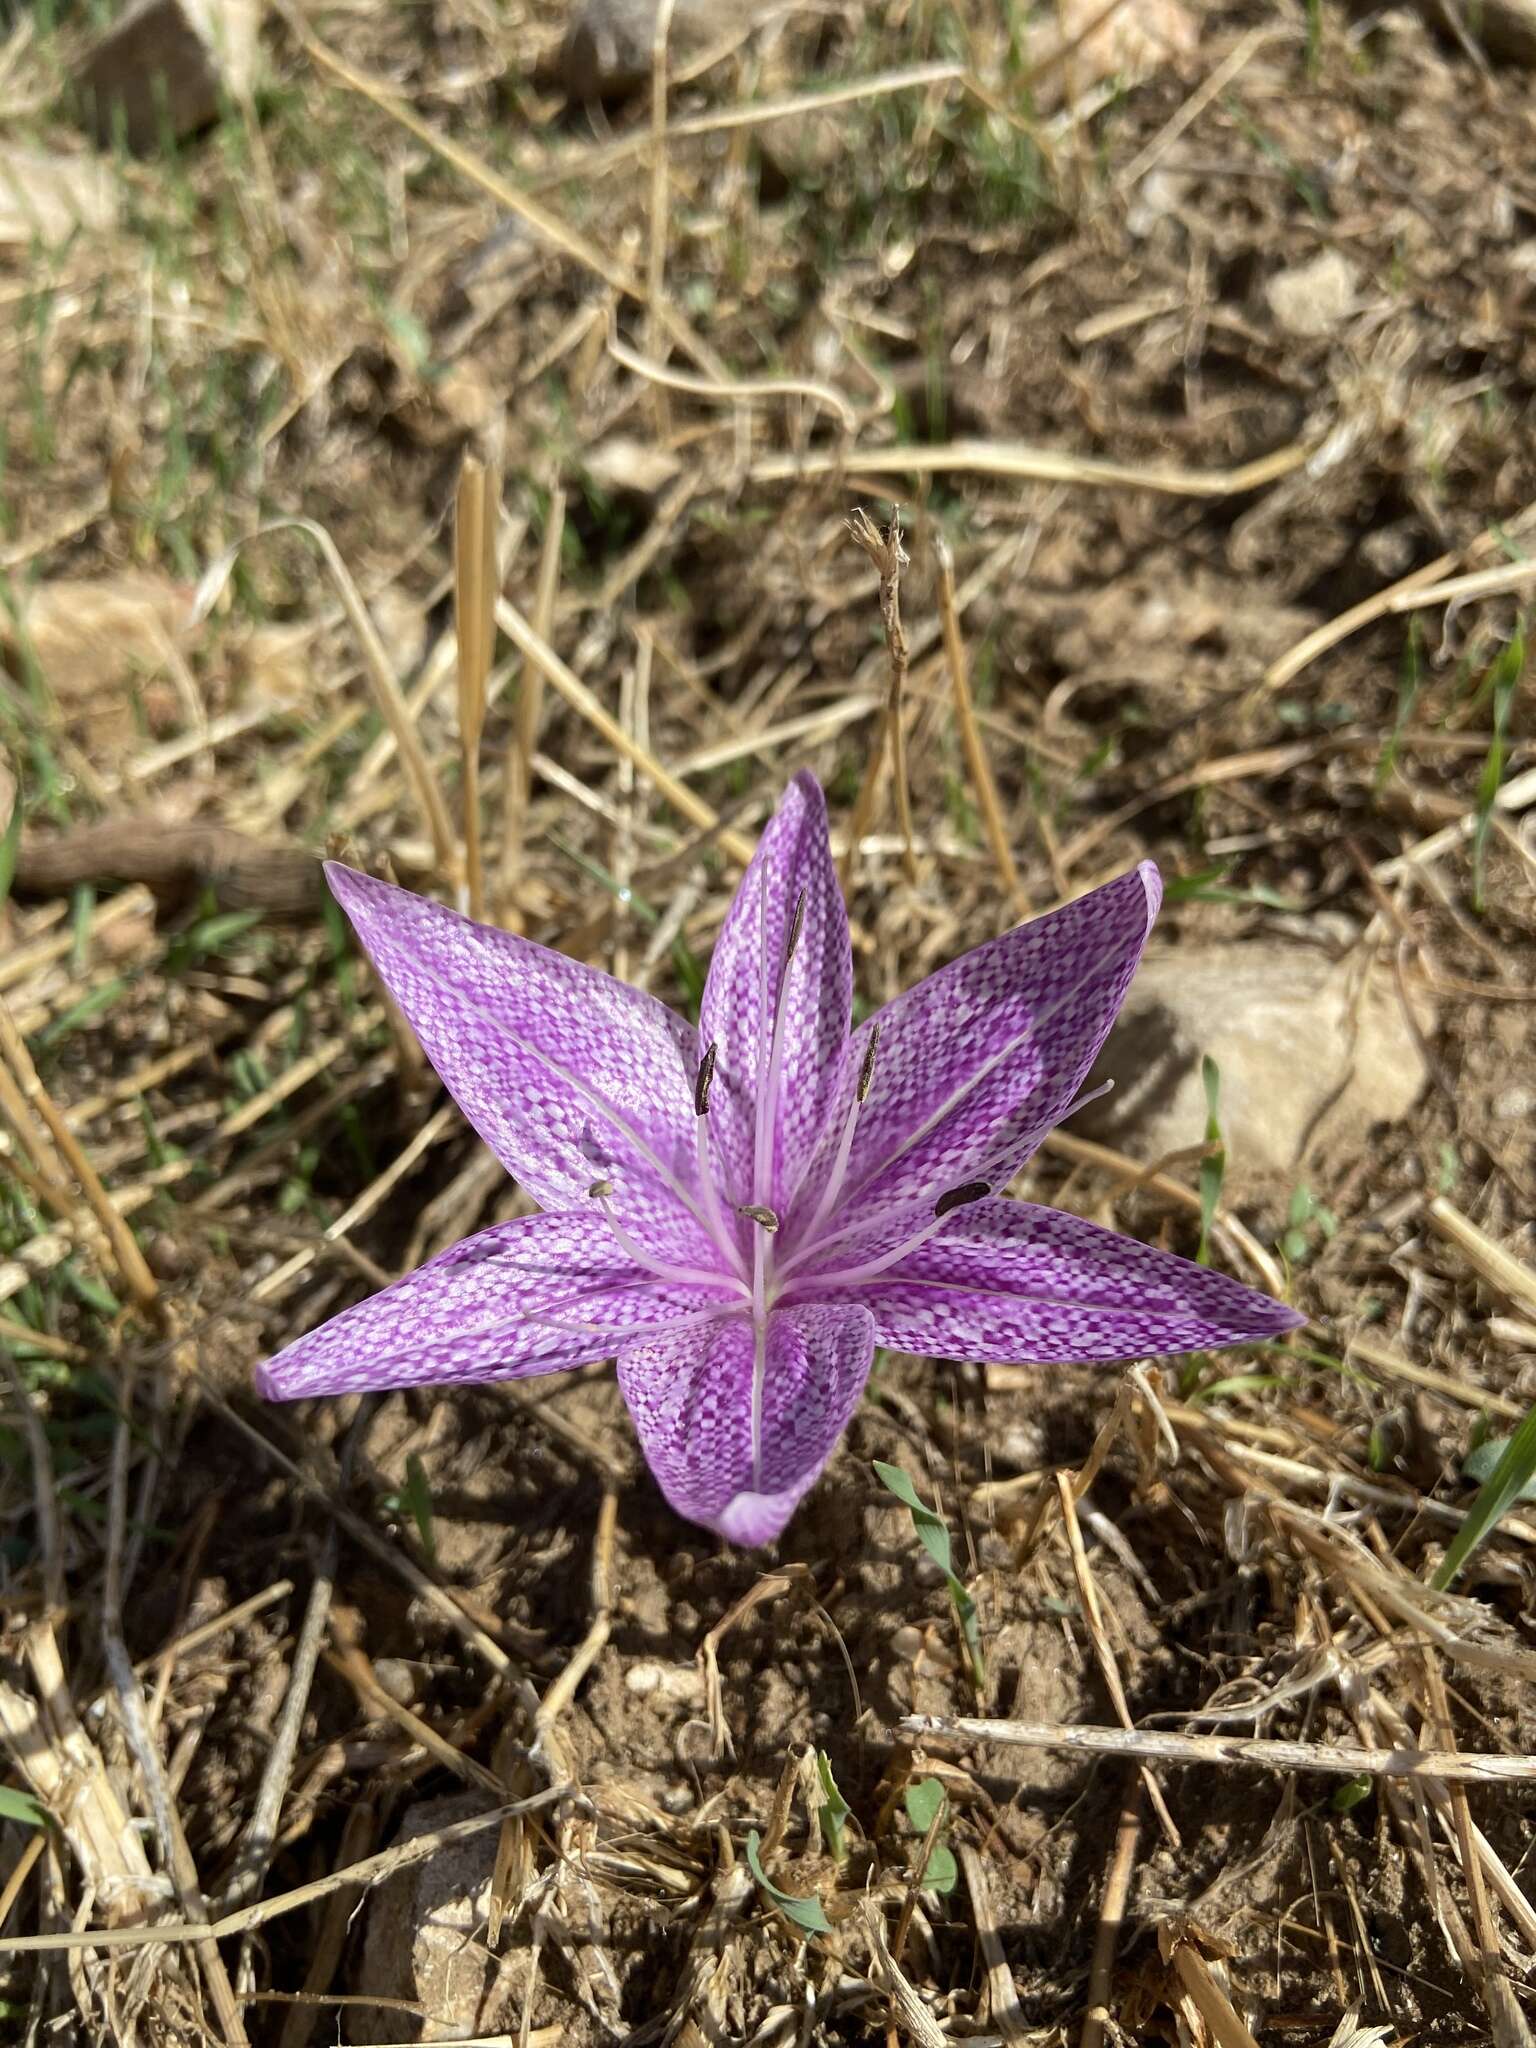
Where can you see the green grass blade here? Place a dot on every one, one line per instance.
(1497, 1494)
(1213, 1168)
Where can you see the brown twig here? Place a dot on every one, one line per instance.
(882, 544)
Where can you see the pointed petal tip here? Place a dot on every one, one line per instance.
(350, 886)
(753, 1519)
(1152, 882)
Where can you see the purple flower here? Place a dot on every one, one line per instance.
(742, 1212)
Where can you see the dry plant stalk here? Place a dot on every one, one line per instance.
(474, 605)
(976, 761)
(1088, 1591)
(1160, 1745)
(1506, 1274)
(530, 705)
(137, 1278)
(883, 546)
(537, 650)
(1201, 1989)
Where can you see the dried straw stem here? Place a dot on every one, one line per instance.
(1157, 1745)
(131, 1264)
(883, 546)
(538, 651)
(976, 761)
(474, 597)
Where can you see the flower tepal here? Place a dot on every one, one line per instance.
(740, 1213)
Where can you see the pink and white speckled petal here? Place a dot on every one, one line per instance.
(569, 1076)
(528, 1297)
(1016, 1284)
(800, 1083)
(690, 1396)
(977, 1063)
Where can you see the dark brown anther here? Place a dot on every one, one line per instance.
(958, 1198)
(867, 1064)
(600, 1190)
(755, 1212)
(796, 926)
(706, 1076)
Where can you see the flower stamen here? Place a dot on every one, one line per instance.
(601, 1192)
(954, 1198)
(768, 1091)
(714, 1215)
(834, 1187)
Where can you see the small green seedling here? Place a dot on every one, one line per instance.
(1305, 1216)
(806, 1914)
(924, 1803)
(1213, 1167)
(1352, 1792)
(1508, 1482)
(933, 1534)
(834, 1809)
(415, 1499)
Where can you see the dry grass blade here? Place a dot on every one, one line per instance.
(1508, 1275)
(980, 768)
(1021, 462)
(1067, 1493)
(540, 218)
(371, 1870)
(882, 544)
(530, 702)
(543, 657)
(1005, 2012)
(606, 156)
(1412, 590)
(381, 675)
(474, 605)
(137, 1278)
(736, 390)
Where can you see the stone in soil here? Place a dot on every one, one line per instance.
(1310, 1059)
(167, 66)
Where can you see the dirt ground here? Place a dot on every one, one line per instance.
(1207, 345)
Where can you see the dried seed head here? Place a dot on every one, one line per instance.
(958, 1198)
(756, 1212)
(705, 1076)
(600, 1190)
(796, 925)
(867, 1064)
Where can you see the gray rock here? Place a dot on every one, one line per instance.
(1314, 298)
(426, 1933)
(1305, 1066)
(46, 198)
(608, 46)
(167, 63)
